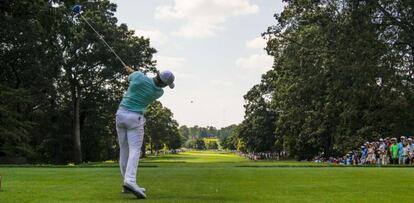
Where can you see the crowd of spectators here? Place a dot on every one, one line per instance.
(382, 152)
(262, 155)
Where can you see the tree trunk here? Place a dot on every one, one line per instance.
(143, 150)
(152, 147)
(76, 126)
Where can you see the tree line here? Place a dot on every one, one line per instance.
(343, 74)
(60, 86)
(202, 138)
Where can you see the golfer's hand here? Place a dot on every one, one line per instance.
(129, 70)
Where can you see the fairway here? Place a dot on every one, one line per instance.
(208, 177)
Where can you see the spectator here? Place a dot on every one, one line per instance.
(371, 155)
(377, 153)
(348, 160)
(382, 152)
(394, 151)
(401, 150)
(364, 153)
(406, 151)
(387, 150)
(411, 151)
(355, 157)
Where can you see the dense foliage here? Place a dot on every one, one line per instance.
(161, 130)
(60, 86)
(343, 74)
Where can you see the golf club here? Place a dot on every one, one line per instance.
(78, 11)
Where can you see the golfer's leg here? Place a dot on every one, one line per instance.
(123, 147)
(135, 138)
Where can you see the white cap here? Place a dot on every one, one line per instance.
(167, 77)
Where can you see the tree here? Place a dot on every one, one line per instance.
(184, 132)
(257, 131)
(66, 83)
(229, 142)
(199, 144)
(14, 139)
(225, 131)
(160, 128)
(211, 143)
(341, 76)
(27, 73)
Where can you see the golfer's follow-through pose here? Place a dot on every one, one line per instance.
(130, 121)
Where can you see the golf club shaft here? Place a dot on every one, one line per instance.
(101, 37)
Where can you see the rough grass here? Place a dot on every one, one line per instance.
(209, 177)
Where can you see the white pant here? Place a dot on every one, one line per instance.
(130, 129)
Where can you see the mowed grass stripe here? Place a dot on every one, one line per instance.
(210, 182)
(197, 157)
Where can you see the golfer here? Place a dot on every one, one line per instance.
(130, 121)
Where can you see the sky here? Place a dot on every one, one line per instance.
(213, 47)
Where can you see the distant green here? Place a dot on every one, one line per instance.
(209, 177)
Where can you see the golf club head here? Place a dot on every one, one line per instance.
(76, 9)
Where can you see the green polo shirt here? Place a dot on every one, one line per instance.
(394, 151)
(141, 92)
